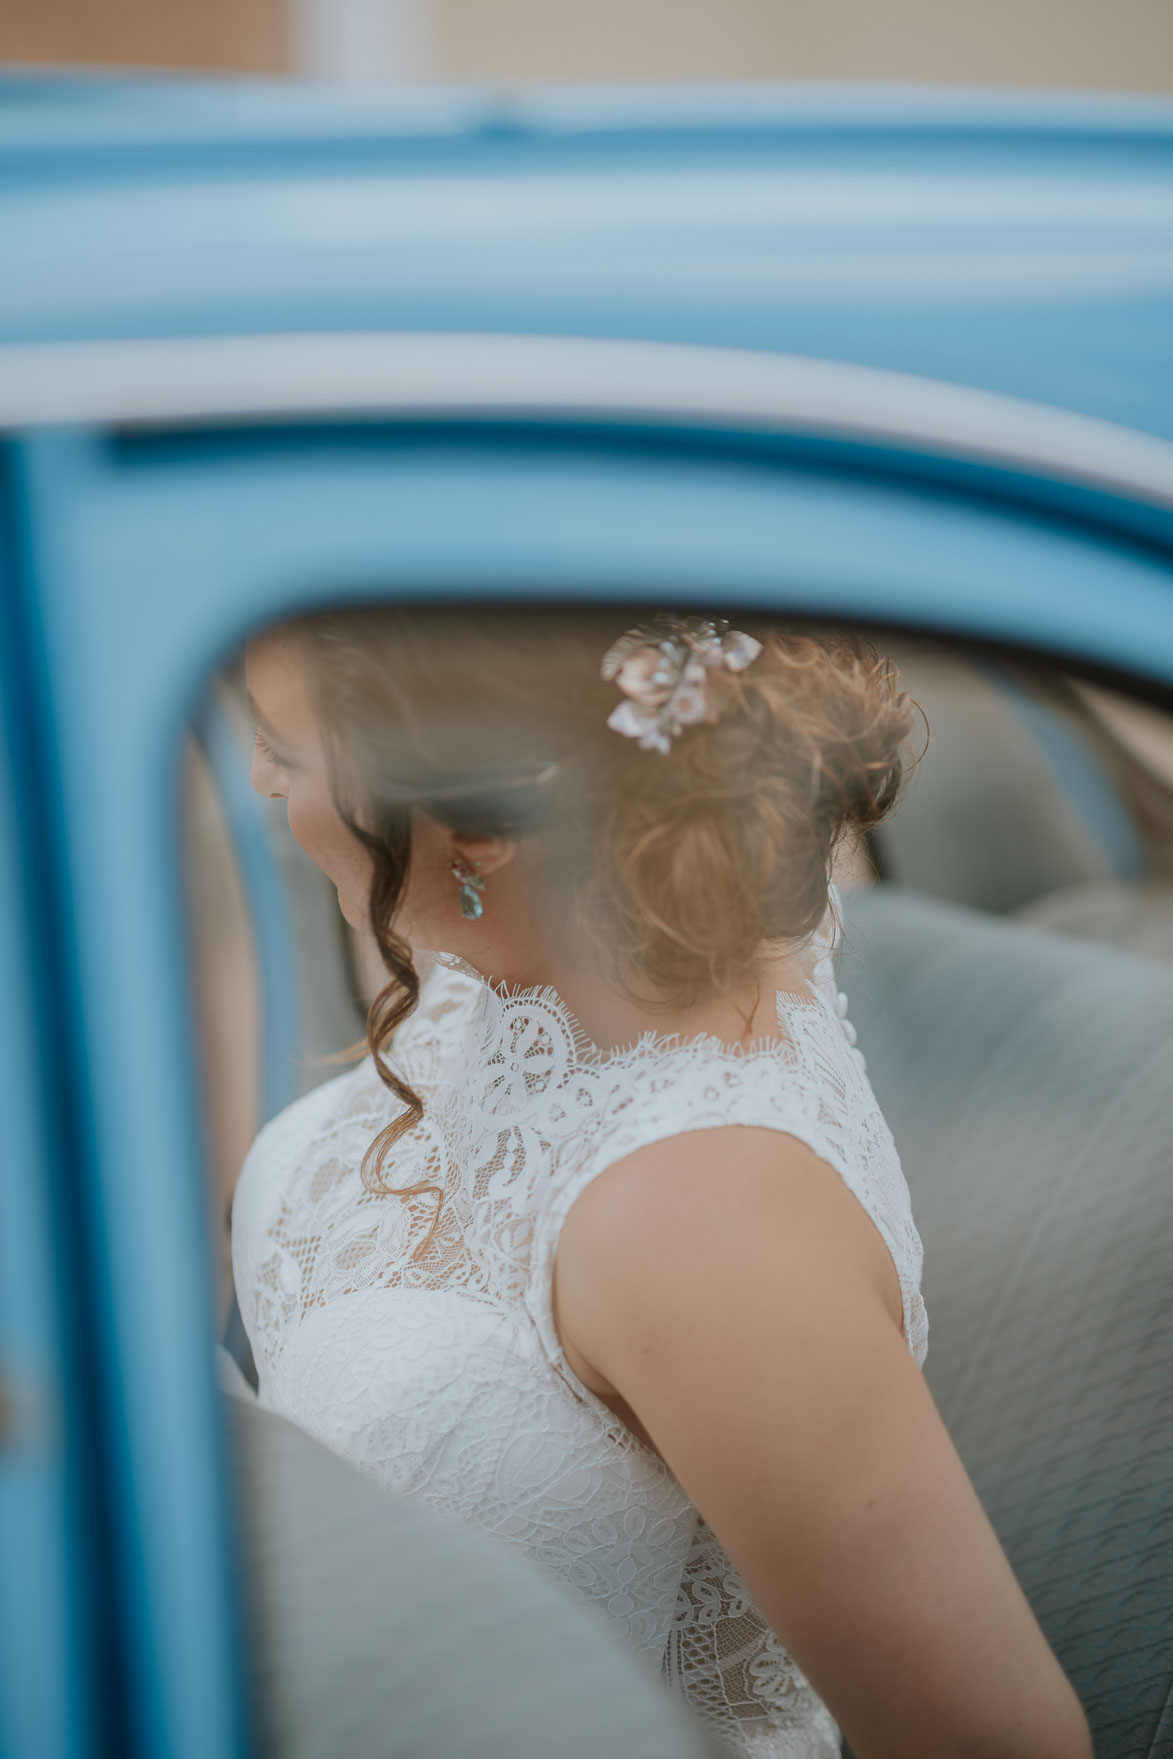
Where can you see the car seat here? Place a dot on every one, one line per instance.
(1138, 918)
(382, 1632)
(1028, 1081)
(1022, 792)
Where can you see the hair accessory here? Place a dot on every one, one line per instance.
(664, 671)
(472, 884)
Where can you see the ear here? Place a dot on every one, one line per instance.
(485, 854)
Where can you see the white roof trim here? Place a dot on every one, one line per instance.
(492, 377)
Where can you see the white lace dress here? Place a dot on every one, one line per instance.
(442, 1376)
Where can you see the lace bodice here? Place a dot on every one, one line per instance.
(441, 1374)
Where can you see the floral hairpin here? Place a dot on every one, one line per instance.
(664, 674)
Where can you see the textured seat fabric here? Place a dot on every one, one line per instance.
(1136, 918)
(1028, 1081)
(380, 1630)
(1014, 804)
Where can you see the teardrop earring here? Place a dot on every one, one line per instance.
(472, 905)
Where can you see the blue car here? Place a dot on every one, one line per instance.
(900, 363)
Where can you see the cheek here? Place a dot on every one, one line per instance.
(316, 827)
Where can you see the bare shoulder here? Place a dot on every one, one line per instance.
(721, 1193)
(681, 1229)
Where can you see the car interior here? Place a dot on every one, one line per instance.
(1007, 950)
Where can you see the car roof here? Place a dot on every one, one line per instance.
(1021, 244)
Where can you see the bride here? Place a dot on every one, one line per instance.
(605, 1248)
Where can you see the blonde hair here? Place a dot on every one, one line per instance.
(680, 865)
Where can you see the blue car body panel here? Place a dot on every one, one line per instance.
(1022, 245)
(47, 1521)
(1018, 246)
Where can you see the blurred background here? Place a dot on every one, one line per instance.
(1124, 45)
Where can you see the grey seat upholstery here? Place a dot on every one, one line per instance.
(992, 819)
(1028, 1080)
(1137, 918)
(381, 1632)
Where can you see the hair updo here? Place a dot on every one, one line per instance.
(680, 865)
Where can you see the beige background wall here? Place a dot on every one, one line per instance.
(1124, 44)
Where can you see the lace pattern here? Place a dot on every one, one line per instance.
(441, 1375)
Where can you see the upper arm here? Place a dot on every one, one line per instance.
(739, 1300)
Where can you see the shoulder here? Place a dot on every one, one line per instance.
(293, 1136)
(314, 1110)
(706, 1187)
(669, 1238)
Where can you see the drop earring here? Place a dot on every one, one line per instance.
(471, 883)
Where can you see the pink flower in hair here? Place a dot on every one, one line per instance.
(663, 674)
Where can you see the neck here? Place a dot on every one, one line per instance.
(611, 1018)
(525, 941)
